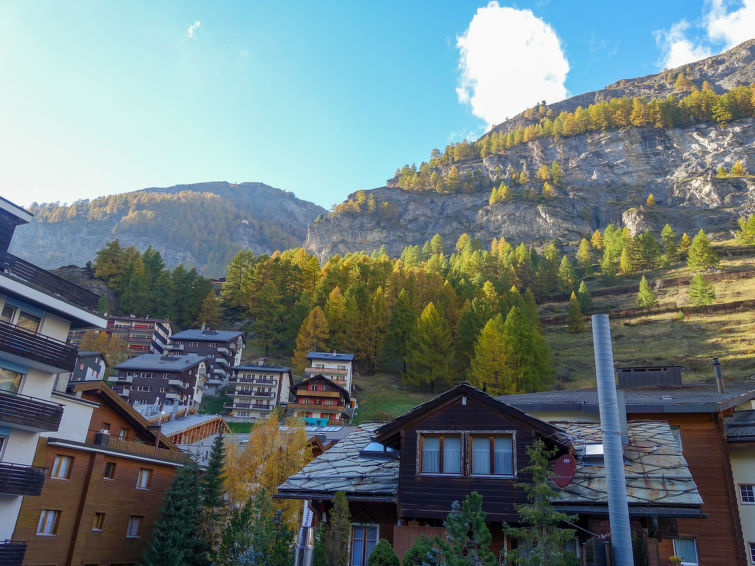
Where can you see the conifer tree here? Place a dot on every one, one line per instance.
(400, 329)
(685, 243)
(584, 298)
(738, 170)
(584, 254)
(337, 532)
(746, 232)
(645, 296)
(650, 202)
(701, 255)
(625, 261)
(383, 555)
(574, 320)
(376, 328)
(557, 175)
(418, 553)
(701, 290)
(174, 541)
(527, 354)
(212, 501)
(541, 536)
(566, 275)
(428, 357)
(669, 243)
(312, 337)
(335, 312)
(209, 312)
(489, 369)
(597, 240)
(607, 269)
(468, 539)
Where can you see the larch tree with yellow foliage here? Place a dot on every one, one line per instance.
(274, 452)
(313, 337)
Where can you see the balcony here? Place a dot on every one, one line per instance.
(174, 396)
(176, 383)
(177, 347)
(116, 444)
(19, 479)
(313, 407)
(29, 413)
(248, 406)
(325, 371)
(258, 394)
(317, 394)
(222, 362)
(254, 381)
(35, 350)
(125, 393)
(12, 552)
(44, 281)
(125, 379)
(220, 371)
(223, 350)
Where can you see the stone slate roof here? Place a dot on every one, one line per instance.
(342, 468)
(656, 471)
(741, 427)
(199, 335)
(691, 398)
(330, 356)
(160, 362)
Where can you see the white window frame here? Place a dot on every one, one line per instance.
(751, 547)
(58, 467)
(697, 555)
(751, 495)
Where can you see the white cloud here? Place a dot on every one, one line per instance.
(509, 60)
(191, 32)
(721, 26)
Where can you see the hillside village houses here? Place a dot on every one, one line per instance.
(257, 389)
(141, 335)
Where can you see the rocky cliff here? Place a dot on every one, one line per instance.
(201, 225)
(607, 179)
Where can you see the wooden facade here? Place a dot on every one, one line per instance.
(101, 479)
(319, 401)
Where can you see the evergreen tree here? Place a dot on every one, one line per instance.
(209, 313)
(527, 354)
(701, 290)
(376, 329)
(738, 170)
(746, 232)
(646, 251)
(383, 555)
(566, 275)
(645, 296)
(335, 311)
(685, 243)
(669, 243)
(312, 337)
(337, 532)
(419, 552)
(597, 240)
(574, 320)
(400, 329)
(584, 254)
(701, 255)
(541, 537)
(174, 541)
(467, 541)
(489, 369)
(625, 261)
(584, 298)
(428, 357)
(650, 202)
(557, 175)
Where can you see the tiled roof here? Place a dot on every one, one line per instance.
(330, 356)
(159, 362)
(173, 426)
(691, 398)
(199, 335)
(343, 468)
(656, 471)
(741, 426)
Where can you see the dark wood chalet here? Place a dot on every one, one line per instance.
(321, 402)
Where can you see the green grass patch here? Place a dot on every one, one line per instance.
(240, 428)
(213, 404)
(383, 396)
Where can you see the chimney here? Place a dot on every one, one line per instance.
(613, 451)
(720, 385)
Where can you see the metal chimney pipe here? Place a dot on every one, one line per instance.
(720, 385)
(613, 452)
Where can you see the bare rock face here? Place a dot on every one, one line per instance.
(607, 179)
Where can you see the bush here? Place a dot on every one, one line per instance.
(418, 552)
(383, 555)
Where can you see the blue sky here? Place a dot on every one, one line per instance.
(318, 98)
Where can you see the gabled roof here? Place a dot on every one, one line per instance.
(208, 335)
(23, 215)
(330, 356)
(389, 431)
(106, 395)
(323, 379)
(689, 398)
(161, 362)
(344, 468)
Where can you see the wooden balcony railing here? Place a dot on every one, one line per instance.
(29, 413)
(20, 479)
(46, 282)
(37, 347)
(12, 552)
(325, 371)
(308, 393)
(314, 407)
(131, 447)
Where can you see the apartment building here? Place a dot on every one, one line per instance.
(338, 368)
(223, 349)
(258, 389)
(37, 309)
(162, 380)
(321, 402)
(142, 335)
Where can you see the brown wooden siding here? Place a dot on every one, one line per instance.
(432, 496)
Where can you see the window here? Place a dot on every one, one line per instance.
(752, 551)
(61, 467)
(686, 549)
(441, 454)
(363, 540)
(123, 434)
(10, 381)
(3, 444)
(747, 493)
(48, 522)
(134, 529)
(144, 479)
(492, 455)
(8, 314)
(105, 426)
(28, 321)
(109, 471)
(98, 521)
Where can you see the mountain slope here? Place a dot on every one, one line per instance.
(201, 225)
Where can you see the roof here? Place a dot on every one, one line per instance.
(85, 354)
(343, 468)
(132, 318)
(689, 398)
(390, 429)
(655, 469)
(253, 367)
(176, 425)
(207, 335)
(330, 356)
(326, 380)
(741, 427)
(160, 362)
(19, 212)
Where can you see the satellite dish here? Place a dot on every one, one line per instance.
(564, 468)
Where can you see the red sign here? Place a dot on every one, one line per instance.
(564, 468)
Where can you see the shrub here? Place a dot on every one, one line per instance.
(418, 552)
(383, 555)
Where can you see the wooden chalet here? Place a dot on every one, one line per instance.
(402, 477)
(321, 402)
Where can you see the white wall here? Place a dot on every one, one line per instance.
(76, 418)
(743, 472)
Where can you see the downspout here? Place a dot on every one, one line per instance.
(618, 506)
